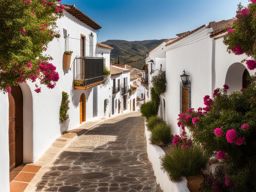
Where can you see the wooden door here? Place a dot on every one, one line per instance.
(16, 127)
(82, 108)
(185, 98)
(82, 46)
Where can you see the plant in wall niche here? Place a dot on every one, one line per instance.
(241, 36)
(27, 26)
(64, 107)
(159, 83)
(106, 72)
(161, 134)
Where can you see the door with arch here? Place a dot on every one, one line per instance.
(82, 108)
(16, 127)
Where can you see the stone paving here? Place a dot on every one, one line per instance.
(111, 157)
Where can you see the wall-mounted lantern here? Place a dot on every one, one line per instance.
(185, 78)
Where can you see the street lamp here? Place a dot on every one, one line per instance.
(184, 78)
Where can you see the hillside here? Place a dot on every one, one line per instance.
(131, 52)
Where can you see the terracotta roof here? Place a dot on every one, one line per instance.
(114, 70)
(220, 26)
(81, 16)
(135, 73)
(105, 46)
(185, 34)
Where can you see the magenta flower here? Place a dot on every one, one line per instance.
(216, 92)
(176, 139)
(38, 90)
(244, 12)
(240, 141)
(225, 87)
(8, 89)
(230, 30)
(23, 31)
(29, 65)
(218, 132)
(253, 1)
(195, 120)
(237, 50)
(251, 64)
(231, 135)
(27, 2)
(220, 155)
(227, 181)
(245, 126)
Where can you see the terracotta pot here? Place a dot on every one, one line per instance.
(195, 182)
(66, 60)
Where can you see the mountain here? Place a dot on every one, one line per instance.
(131, 52)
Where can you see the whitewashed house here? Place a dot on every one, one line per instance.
(202, 58)
(35, 117)
(120, 79)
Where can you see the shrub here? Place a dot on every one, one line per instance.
(155, 99)
(159, 83)
(184, 162)
(148, 109)
(64, 107)
(161, 134)
(153, 121)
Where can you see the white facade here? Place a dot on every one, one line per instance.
(206, 60)
(41, 125)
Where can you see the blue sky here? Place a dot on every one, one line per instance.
(153, 19)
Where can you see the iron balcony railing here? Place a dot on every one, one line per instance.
(88, 70)
(124, 90)
(115, 90)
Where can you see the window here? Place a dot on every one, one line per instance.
(118, 89)
(114, 84)
(82, 46)
(105, 105)
(66, 37)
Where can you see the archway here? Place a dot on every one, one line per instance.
(237, 77)
(82, 108)
(16, 127)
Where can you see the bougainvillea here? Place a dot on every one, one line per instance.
(27, 26)
(227, 131)
(241, 36)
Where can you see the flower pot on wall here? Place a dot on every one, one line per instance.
(195, 182)
(67, 60)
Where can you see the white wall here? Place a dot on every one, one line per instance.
(4, 142)
(192, 54)
(105, 53)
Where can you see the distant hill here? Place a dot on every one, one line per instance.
(131, 52)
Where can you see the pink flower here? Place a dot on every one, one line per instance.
(180, 124)
(176, 139)
(231, 135)
(23, 31)
(51, 86)
(245, 126)
(230, 30)
(38, 90)
(240, 141)
(8, 89)
(218, 132)
(27, 2)
(29, 65)
(251, 64)
(216, 92)
(253, 1)
(195, 120)
(243, 12)
(220, 155)
(237, 50)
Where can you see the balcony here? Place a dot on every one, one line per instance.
(88, 72)
(115, 90)
(124, 90)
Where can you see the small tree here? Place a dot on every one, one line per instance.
(64, 107)
(159, 83)
(27, 26)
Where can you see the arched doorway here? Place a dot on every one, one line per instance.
(16, 127)
(237, 77)
(82, 108)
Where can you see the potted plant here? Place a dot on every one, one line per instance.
(67, 60)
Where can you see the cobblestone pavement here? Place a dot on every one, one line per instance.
(111, 157)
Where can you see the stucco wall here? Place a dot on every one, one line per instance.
(4, 142)
(194, 56)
